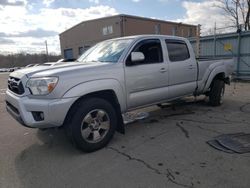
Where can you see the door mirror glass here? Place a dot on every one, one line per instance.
(137, 56)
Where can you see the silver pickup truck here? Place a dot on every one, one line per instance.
(89, 96)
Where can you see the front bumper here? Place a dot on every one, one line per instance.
(54, 110)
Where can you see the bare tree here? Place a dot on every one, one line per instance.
(247, 20)
(23, 59)
(238, 11)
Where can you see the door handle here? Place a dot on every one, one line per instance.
(162, 70)
(190, 66)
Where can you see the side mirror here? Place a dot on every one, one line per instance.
(137, 56)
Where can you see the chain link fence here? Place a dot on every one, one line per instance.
(230, 45)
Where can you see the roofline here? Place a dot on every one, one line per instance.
(96, 19)
(147, 36)
(128, 16)
(155, 19)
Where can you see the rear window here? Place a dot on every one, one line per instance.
(177, 50)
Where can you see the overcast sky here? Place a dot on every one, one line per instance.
(26, 24)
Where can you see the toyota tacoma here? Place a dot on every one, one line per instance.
(88, 97)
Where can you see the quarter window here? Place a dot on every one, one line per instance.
(177, 50)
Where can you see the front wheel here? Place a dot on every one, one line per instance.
(93, 125)
(216, 93)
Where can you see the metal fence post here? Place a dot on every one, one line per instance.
(215, 44)
(214, 39)
(238, 54)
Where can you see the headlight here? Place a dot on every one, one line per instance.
(42, 86)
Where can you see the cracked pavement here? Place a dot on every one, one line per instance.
(168, 149)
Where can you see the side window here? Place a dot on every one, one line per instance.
(151, 49)
(177, 50)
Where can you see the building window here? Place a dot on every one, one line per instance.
(86, 47)
(107, 30)
(110, 29)
(80, 50)
(190, 32)
(104, 31)
(158, 29)
(174, 31)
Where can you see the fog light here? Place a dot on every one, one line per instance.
(38, 116)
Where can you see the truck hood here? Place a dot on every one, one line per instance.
(42, 70)
(70, 75)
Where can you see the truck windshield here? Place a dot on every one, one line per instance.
(107, 51)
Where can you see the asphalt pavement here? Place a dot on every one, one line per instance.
(168, 149)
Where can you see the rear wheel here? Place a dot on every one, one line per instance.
(216, 93)
(93, 125)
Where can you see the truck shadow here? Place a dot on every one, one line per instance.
(35, 163)
(53, 157)
(53, 142)
(182, 107)
(49, 161)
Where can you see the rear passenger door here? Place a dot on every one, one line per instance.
(147, 81)
(182, 69)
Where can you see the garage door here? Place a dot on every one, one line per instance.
(68, 54)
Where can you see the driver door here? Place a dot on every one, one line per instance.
(146, 81)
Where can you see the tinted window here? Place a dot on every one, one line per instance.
(151, 49)
(177, 50)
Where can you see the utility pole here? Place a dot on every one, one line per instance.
(12, 58)
(47, 53)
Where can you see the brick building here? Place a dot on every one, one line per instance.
(77, 39)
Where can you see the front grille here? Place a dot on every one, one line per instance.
(15, 85)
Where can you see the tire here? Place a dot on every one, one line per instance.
(216, 93)
(93, 124)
